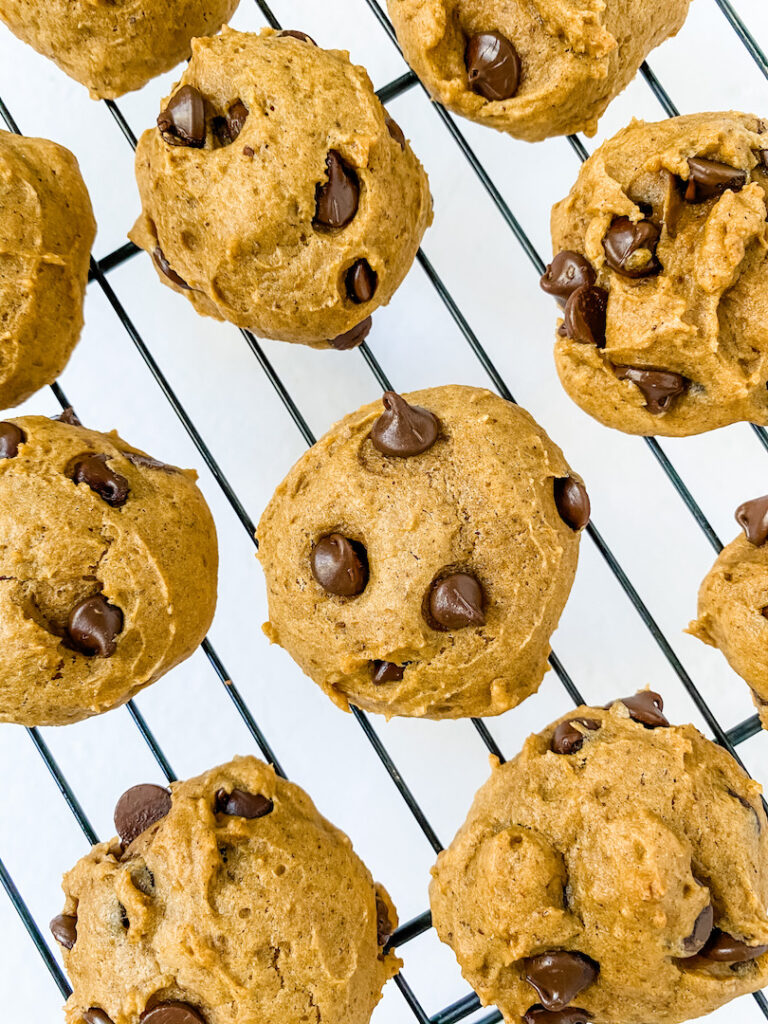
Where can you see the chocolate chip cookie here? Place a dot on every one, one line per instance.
(418, 557)
(662, 273)
(227, 900)
(114, 46)
(277, 192)
(533, 68)
(108, 564)
(47, 229)
(615, 871)
(733, 602)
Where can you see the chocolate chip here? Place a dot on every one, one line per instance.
(228, 128)
(172, 1013)
(241, 804)
(386, 672)
(568, 271)
(710, 178)
(748, 806)
(403, 430)
(296, 34)
(340, 565)
(182, 123)
(567, 740)
(93, 625)
(630, 248)
(147, 462)
(585, 315)
(702, 929)
(92, 469)
(673, 202)
(659, 387)
(68, 416)
(352, 338)
(96, 1016)
(138, 809)
(248, 151)
(570, 1015)
(725, 949)
(493, 66)
(383, 923)
(572, 502)
(11, 437)
(645, 707)
(338, 197)
(456, 601)
(64, 930)
(165, 268)
(752, 517)
(361, 281)
(559, 976)
(395, 131)
(762, 158)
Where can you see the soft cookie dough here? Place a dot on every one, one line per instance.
(228, 900)
(108, 564)
(533, 68)
(277, 193)
(733, 602)
(418, 557)
(616, 871)
(114, 46)
(661, 264)
(46, 232)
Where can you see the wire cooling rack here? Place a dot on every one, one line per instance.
(100, 270)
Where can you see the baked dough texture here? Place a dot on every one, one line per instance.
(700, 313)
(46, 232)
(479, 502)
(574, 57)
(114, 46)
(236, 220)
(240, 919)
(138, 558)
(614, 852)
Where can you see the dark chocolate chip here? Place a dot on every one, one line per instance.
(762, 158)
(182, 123)
(456, 601)
(361, 281)
(92, 469)
(559, 976)
(296, 34)
(93, 625)
(241, 804)
(710, 178)
(352, 338)
(702, 929)
(340, 565)
(147, 462)
(630, 247)
(248, 151)
(570, 1015)
(338, 197)
(403, 430)
(64, 930)
(572, 502)
(725, 949)
(659, 387)
(172, 1013)
(68, 416)
(395, 131)
(752, 517)
(383, 924)
(228, 128)
(386, 672)
(165, 268)
(585, 315)
(493, 66)
(139, 808)
(673, 202)
(645, 707)
(11, 437)
(568, 271)
(567, 740)
(96, 1016)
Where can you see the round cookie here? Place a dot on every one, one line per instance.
(46, 232)
(616, 871)
(661, 266)
(108, 567)
(276, 191)
(114, 46)
(733, 603)
(417, 559)
(533, 68)
(228, 900)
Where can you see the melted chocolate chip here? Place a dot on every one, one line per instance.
(585, 315)
(567, 272)
(361, 281)
(383, 923)
(138, 809)
(68, 416)
(182, 123)
(725, 949)
(572, 502)
(386, 672)
(11, 437)
(93, 625)
(752, 517)
(294, 33)
(645, 707)
(710, 178)
(92, 469)
(228, 128)
(659, 387)
(352, 338)
(165, 268)
(702, 929)
(395, 131)
(403, 430)
(559, 976)
(340, 565)
(630, 248)
(96, 1016)
(493, 66)
(567, 740)
(241, 804)
(64, 930)
(570, 1015)
(172, 1013)
(338, 197)
(456, 601)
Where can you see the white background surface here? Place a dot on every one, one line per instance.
(601, 641)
